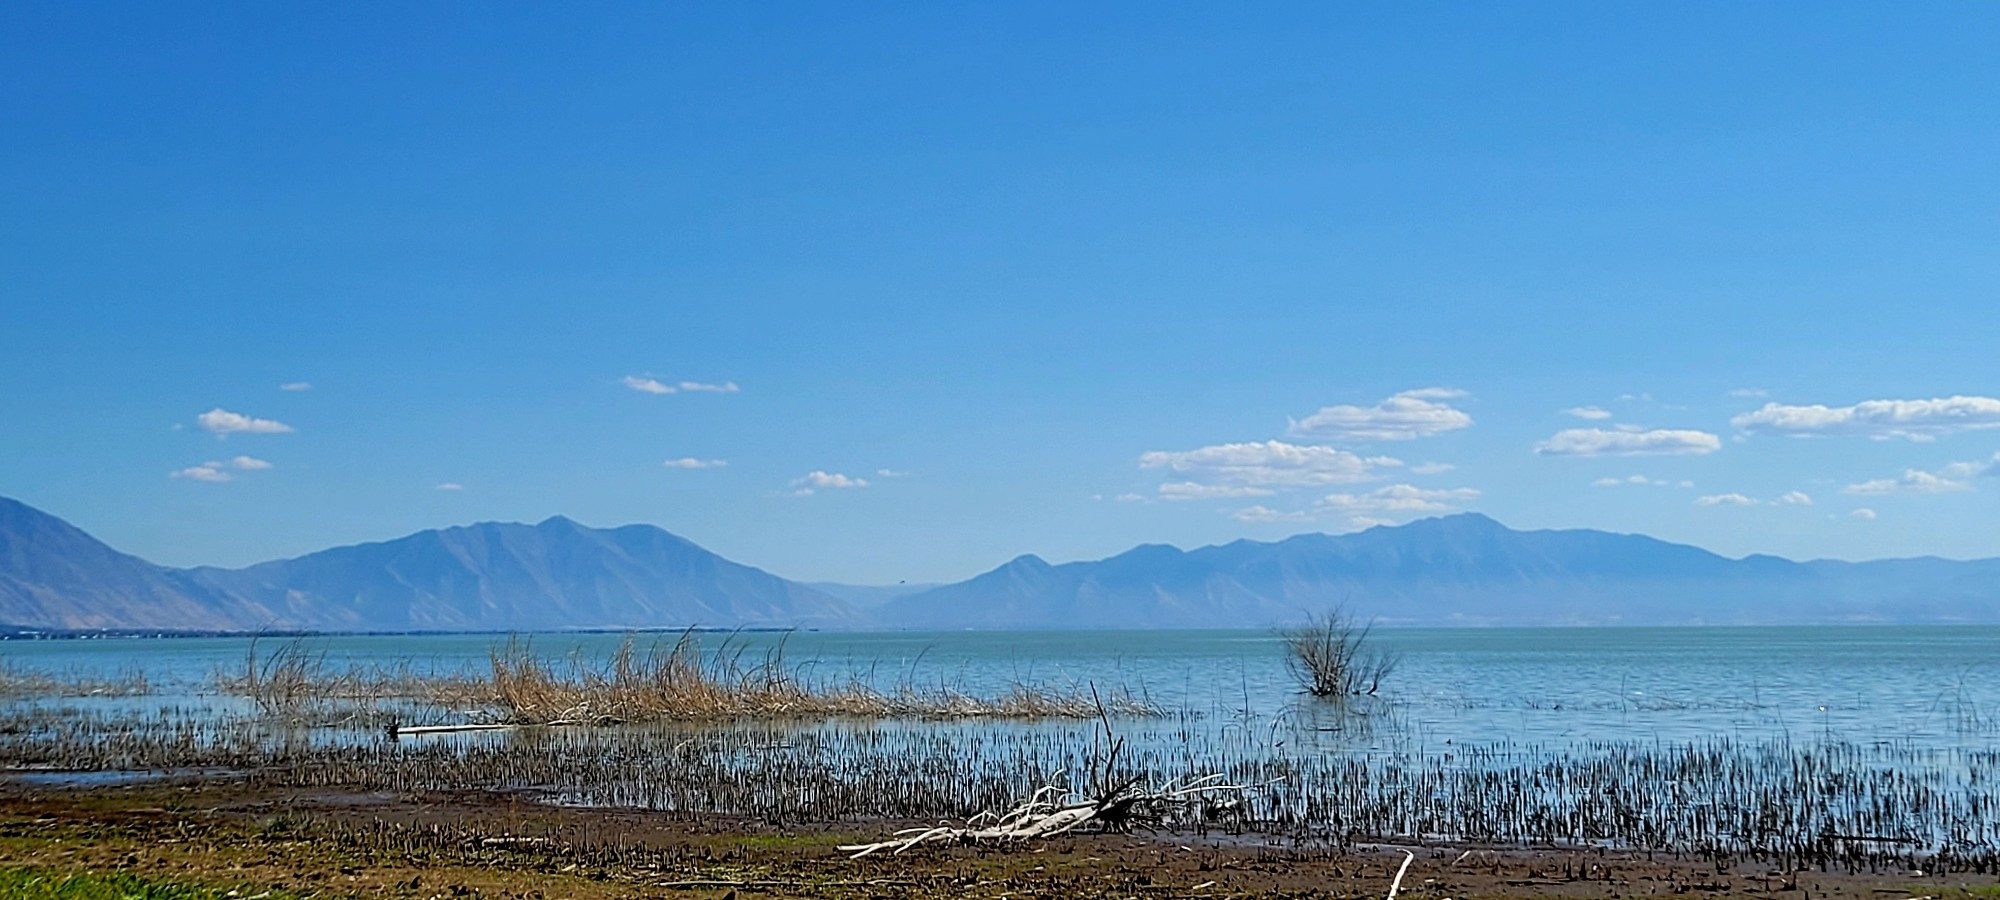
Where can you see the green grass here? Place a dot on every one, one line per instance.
(41, 884)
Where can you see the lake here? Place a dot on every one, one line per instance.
(1932, 687)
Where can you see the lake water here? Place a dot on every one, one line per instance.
(1930, 687)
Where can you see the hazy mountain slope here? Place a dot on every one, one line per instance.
(555, 574)
(53, 575)
(1456, 569)
(1465, 569)
(868, 596)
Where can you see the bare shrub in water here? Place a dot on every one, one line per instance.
(1329, 656)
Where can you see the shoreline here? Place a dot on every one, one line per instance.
(226, 834)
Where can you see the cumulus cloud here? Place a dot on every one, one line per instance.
(1963, 471)
(1431, 468)
(727, 387)
(1129, 497)
(1628, 441)
(220, 421)
(1189, 490)
(816, 480)
(1265, 514)
(689, 462)
(1750, 393)
(1916, 420)
(1400, 499)
(1724, 500)
(215, 471)
(1593, 413)
(1864, 514)
(1793, 498)
(1269, 464)
(1406, 416)
(1912, 481)
(450, 486)
(296, 386)
(892, 473)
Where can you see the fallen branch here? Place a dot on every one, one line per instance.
(1052, 810)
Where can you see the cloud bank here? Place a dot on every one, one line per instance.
(1915, 420)
(1629, 442)
(1406, 416)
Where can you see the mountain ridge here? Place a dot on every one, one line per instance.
(1466, 569)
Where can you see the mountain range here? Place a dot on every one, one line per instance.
(1462, 569)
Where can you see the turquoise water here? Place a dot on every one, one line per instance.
(1931, 687)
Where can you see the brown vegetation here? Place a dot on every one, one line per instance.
(668, 682)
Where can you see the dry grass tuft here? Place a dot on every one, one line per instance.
(677, 682)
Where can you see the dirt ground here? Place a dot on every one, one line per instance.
(228, 834)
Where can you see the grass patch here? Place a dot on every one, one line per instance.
(40, 884)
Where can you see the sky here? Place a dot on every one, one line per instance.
(897, 292)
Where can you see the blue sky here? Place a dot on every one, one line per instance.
(1046, 278)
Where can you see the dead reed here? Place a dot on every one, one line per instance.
(668, 681)
(678, 682)
(20, 682)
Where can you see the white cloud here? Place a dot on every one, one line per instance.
(892, 473)
(450, 486)
(1431, 468)
(216, 471)
(1633, 479)
(1592, 413)
(1724, 500)
(1189, 490)
(817, 480)
(296, 386)
(1129, 497)
(647, 385)
(689, 462)
(1400, 498)
(1627, 441)
(1750, 393)
(1269, 463)
(1970, 470)
(222, 421)
(1912, 481)
(1793, 498)
(1916, 420)
(1265, 514)
(1864, 514)
(1405, 416)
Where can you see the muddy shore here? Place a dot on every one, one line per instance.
(222, 832)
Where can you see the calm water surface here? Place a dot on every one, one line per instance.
(1927, 686)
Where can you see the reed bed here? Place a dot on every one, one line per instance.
(293, 681)
(19, 682)
(676, 681)
(1790, 805)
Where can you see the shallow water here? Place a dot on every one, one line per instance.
(1925, 687)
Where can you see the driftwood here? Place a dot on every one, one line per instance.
(1052, 810)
